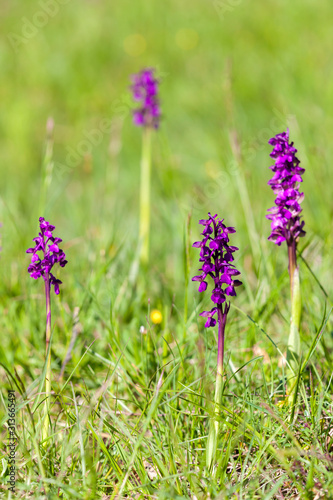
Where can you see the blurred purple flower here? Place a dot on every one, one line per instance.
(52, 254)
(285, 215)
(216, 256)
(145, 90)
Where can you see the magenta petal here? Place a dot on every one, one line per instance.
(217, 298)
(210, 322)
(213, 245)
(225, 279)
(230, 291)
(53, 248)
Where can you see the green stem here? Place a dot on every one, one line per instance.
(292, 264)
(48, 361)
(145, 196)
(294, 343)
(222, 318)
(214, 422)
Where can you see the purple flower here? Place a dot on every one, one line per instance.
(51, 254)
(145, 89)
(216, 256)
(285, 215)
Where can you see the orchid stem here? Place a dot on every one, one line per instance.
(214, 422)
(145, 196)
(48, 361)
(292, 264)
(294, 342)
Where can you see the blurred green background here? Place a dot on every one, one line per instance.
(233, 73)
(228, 69)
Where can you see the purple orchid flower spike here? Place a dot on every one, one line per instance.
(145, 90)
(216, 256)
(285, 215)
(51, 254)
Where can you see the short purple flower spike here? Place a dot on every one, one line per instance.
(285, 216)
(48, 245)
(216, 257)
(145, 90)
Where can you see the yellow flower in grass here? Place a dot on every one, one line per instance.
(156, 317)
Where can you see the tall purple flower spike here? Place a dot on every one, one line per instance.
(285, 216)
(145, 90)
(48, 245)
(216, 256)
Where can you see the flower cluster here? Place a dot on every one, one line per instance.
(216, 255)
(145, 89)
(285, 216)
(52, 254)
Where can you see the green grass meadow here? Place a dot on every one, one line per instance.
(130, 406)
